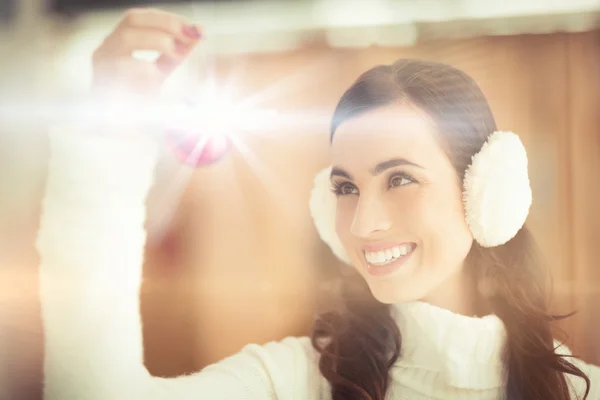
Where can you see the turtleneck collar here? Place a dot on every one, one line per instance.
(467, 351)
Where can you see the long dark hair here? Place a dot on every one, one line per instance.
(359, 343)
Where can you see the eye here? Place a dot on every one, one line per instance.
(343, 188)
(400, 180)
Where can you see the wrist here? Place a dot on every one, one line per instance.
(116, 114)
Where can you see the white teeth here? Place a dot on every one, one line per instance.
(384, 256)
(388, 254)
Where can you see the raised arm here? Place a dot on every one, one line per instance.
(91, 245)
(91, 236)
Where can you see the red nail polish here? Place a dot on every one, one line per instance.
(192, 31)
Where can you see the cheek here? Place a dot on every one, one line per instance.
(443, 228)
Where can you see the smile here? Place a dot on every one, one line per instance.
(384, 260)
(388, 255)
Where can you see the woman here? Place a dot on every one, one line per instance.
(446, 301)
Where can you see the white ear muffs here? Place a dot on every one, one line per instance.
(497, 195)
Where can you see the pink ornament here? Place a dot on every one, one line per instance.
(197, 149)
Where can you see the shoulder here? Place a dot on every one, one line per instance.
(292, 356)
(291, 366)
(284, 350)
(576, 383)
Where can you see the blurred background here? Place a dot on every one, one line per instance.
(232, 255)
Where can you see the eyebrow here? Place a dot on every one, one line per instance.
(378, 169)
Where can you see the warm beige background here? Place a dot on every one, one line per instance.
(254, 260)
(240, 261)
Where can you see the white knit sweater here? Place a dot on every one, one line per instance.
(91, 243)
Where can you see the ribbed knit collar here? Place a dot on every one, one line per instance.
(466, 351)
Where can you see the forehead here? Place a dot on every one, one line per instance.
(393, 131)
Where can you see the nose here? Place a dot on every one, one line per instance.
(370, 217)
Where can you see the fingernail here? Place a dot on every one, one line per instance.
(192, 31)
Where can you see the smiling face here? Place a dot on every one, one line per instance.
(400, 214)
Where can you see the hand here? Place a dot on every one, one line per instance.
(116, 70)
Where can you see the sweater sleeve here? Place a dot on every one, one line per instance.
(91, 245)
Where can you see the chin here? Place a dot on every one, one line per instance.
(395, 293)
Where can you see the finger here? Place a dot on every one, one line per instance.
(150, 18)
(167, 64)
(132, 39)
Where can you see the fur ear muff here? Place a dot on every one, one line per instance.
(323, 205)
(497, 193)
